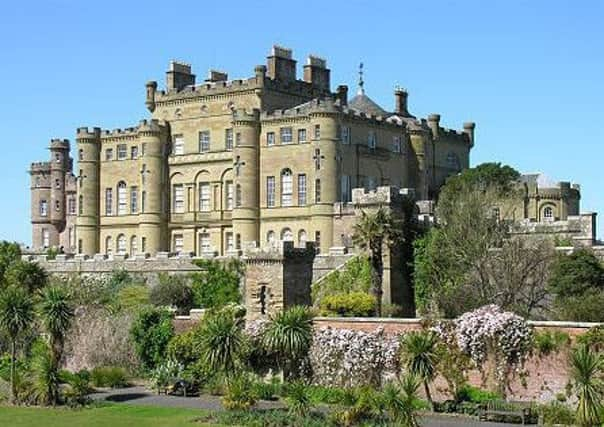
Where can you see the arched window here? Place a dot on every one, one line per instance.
(122, 198)
(108, 245)
(287, 235)
(81, 155)
(270, 237)
(133, 245)
(548, 213)
(302, 238)
(286, 187)
(121, 244)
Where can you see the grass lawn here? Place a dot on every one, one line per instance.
(102, 416)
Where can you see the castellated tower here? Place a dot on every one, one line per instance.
(89, 148)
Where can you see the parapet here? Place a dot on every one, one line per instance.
(380, 196)
(85, 133)
(278, 251)
(39, 167)
(59, 144)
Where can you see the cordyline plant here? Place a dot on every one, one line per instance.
(587, 370)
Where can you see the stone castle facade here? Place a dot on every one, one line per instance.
(224, 165)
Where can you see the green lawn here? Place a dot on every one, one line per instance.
(104, 416)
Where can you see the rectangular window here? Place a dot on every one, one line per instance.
(238, 139)
(317, 131)
(178, 243)
(228, 139)
(71, 205)
(81, 205)
(230, 242)
(371, 139)
(133, 200)
(134, 152)
(345, 188)
(396, 144)
(286, 135)
(205, 244)
(43, 208)
(109, 154)
(229, 195)
(45, 238)
(108, 201)
(301, 135)
(204, 141)
(57, 205)
(238, 196)
(318, 241)
(301, 189)
(179, 198)
(270, 139)
(143, 148)
(143, 244)
(317, 190)
(122, 152)
(143, 200)
(204, 197)
(179, 145)
(270, 191)
(122, 199)
(345, 135)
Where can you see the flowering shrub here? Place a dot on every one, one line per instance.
(345, 358)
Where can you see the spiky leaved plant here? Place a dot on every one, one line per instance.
(586, 372)
(420, 354)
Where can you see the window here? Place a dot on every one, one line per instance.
(81, 155)
(496, 214)
(45, 238)
(205, 245)
(81, 205)
(270, 139)
(58, 158)
(134, 152)
(179, 198)
(238, 241)
(318, 241)
(229, 241)
(301, 189)
(204, 197)
(317, 190)
(57, 205)
(286, 187)
(286, 135)
(43, 208)
(108, 245)
(270, 237)
(109, 154)
(302, 238)
(121, 244)
(179, 145)
(122, 198)
(133, 200)
(238, 139)
(345, 188)
(143, 148)
(287, 235)
(143, 244)
(143, 201)
(228, 139)
(122, 152)
(548, 213)
(71, 237)
(80, 245)
(229, 195)
(204, 141)
(396, 144)
(178, 243)
(345, 135)
(133, 245)
(301, 135)
(238, 196)
(58, 183)
(371, 139)
(270, 191)
(71, 205)
(108, 201)
(317, 131)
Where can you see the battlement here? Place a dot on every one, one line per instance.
(180, 67)
(59, 144)
(39, 167)
(144, 126)
(278, 251)
(380, 196)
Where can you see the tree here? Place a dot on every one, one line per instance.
(289, 335)
(218, 285)
(28, 275)
(16, 318)
(420, 355)
(152, 331)
(10, 252)
(56, 313)
(371, 232)
(587, 368)
(173, 290)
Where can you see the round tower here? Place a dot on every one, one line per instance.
(88, 193)
(245, 176)
(43, 232)
(327, 177)
(59, 164)
(151, 178)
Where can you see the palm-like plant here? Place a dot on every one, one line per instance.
(28, 275)
(222, 343)
(56, 313)
(16, 318)
(370, 233)
(586, 371)
(409, 386)
(45, 386)
(420, 354)
(289, 335)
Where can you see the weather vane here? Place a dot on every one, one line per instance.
(361, 81)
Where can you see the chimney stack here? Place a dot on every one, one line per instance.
(342, 94)
(281, 66)
(317, 73)
(217, 76)
(179, 76)
(434, 124)
(400, 102)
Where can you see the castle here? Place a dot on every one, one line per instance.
(229, 164)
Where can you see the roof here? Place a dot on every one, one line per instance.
(366, 105)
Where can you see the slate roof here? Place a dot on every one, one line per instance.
(366, 105)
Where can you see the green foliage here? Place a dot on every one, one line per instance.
(267, 390)
(45, 376)
(10, 252)
(593, 338)
(51, 253)
(574, 274)
(222, 343)
(587, 370)
(329, 395)
(28, 275)
(109, 376)
(239, 395)
(297, 399)
(218, 285)
(166, 374)
(400, 403)
(78, 389)
(173, 290)
(265, 418)
(152, 331)
(419, 351)
(353, 304)
(557, 413)
(468, 393)
(547, 342)
(56, 312)
(184, 347)
(582, 308)
(132, 298)
(354, 277)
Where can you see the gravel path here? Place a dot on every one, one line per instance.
(142, 396)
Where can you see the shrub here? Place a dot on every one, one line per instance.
(109, 376)
(166, 374)
(222, 343)
(354, 277)
(79, 388)
(184, 347)
(392, 310)
(556, 413)
(239, 394)
(547, 342)
(472, 394)
(328, 395)
(354, 304)
(297, 399)
(218, 285)
(173, 291)
(593, 338)
(267, 390)
(152, 331)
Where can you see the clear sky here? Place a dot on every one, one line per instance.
(529, 73)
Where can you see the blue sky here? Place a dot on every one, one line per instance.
(530, 73)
